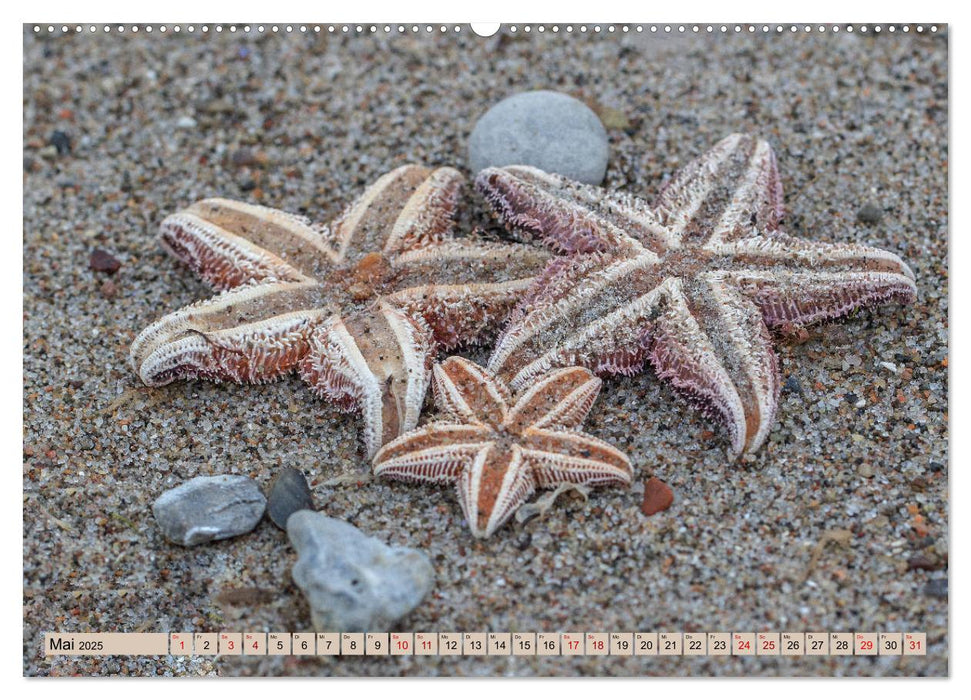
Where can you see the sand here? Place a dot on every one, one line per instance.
(838, 523)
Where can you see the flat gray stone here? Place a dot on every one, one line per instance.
(289, 493)
(547, 130)
(354, 583)
(209, 508)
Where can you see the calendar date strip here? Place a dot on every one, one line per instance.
(486, 644)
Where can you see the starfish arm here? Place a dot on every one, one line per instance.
(230, 243)
(464, 391)
(724, 193)
(376, 361)
(437, 452)
(252, 334)
(560, 399)
(493, 487)
(475, 286)
(557, 457)
(798, 282)
(376, 221)
(743, 346)
(716, 352)
(593, 314)
(538, 205)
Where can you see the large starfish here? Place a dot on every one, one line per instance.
(358, 308)
(498, 456)
(694, 284)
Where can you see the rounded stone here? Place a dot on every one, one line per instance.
(209, 508)
(289, 492)
(547, 130)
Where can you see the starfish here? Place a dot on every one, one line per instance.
(693, 284)
(498, 456)
(358, 308)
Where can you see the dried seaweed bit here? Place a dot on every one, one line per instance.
(542, 504)
(840, 537)
(349, 479)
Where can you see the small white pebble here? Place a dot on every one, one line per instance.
(890, 366)
(186, 122)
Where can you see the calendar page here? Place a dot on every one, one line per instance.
(409, 349)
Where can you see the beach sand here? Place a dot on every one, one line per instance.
(839, 523)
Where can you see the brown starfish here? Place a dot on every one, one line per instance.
(694, 284)
(358, 308)
(498, 456)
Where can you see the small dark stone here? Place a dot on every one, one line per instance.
(109, 289)
(247, 185)
(851, 397)
(523, 541)
(869, 214)
(289, 492)
(936, 588)
(792, 386)
(923, 562)
(103, 261)
(936, 466)
(62, 142)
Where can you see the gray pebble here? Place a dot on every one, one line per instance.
(869, 214)
(62, 142)
(548, 130)
(289, 493)
(209, 508)
(936, 587)
(353, 582)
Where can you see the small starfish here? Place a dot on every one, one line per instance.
(358, 308)
(693, 284)
(498, 456)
